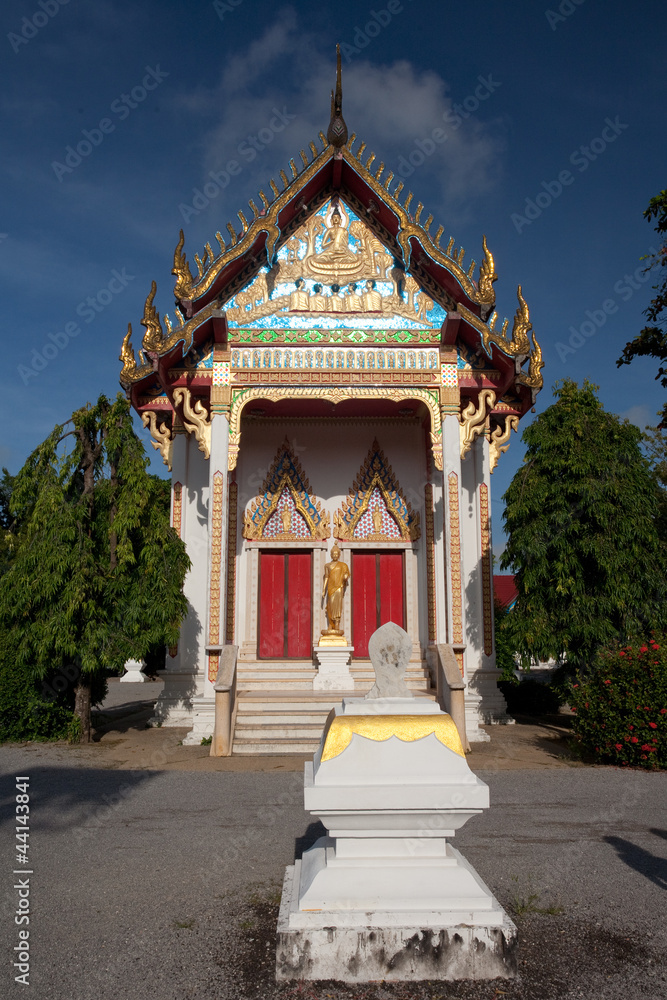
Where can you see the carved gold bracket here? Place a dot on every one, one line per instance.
(500, 437)
(196, 419)
(473, 419)
(161, 434)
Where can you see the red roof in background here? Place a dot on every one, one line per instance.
(504, 590)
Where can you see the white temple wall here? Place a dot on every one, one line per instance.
(331, 455)
(184, 673)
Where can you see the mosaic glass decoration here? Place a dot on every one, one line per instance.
(334, 273)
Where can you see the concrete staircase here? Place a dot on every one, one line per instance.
(279, 713)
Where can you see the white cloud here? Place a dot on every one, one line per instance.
(640, 415)
(392, 107)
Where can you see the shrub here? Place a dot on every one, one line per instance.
(33, 708)
(621, 706)
(505, 659)
(25, 712)
(529, 697)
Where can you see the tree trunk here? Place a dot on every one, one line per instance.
(82, 707)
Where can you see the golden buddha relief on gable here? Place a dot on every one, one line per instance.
(334, 272)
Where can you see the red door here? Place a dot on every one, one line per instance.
(285, 605)
(377, 595)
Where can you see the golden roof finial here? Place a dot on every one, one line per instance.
(337, 131)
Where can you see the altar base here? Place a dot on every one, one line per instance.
(333, 663)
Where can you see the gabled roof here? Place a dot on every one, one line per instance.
(340, 169)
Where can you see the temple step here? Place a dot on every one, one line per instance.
(262, 676)
(285, 721)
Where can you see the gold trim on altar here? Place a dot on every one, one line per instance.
(407, 728)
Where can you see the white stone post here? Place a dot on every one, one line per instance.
(183, 673)
(214, 624)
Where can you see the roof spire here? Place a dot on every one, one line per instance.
(337, 131)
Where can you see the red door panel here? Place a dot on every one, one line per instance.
(285, 605)
(364, 600)
(299, 605)
(391, 587)
(272, 605)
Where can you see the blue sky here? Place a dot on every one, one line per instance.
(553, 122)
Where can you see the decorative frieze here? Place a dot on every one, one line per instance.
(374, 360)
(216, 566)
(455, 557)
(430, 561)
(231, 561)
(177, 509)
(485, 529)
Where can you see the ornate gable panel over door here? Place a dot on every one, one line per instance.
(375, 510)
(332, 273)
(284, 510)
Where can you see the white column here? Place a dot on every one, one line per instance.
(215, 576)
(184, 673)
(493, 707)
(452, 524)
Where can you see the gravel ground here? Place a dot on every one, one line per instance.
(165, 883)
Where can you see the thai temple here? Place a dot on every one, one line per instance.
(334, 391)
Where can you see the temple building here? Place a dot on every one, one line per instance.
(335, 376)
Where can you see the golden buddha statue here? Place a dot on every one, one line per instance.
(335, 260)
(336, 575)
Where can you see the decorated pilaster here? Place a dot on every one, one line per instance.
(183, 666)
(214, 439)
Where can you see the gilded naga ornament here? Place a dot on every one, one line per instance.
(184, 282)
(151, 321)
(127, 355)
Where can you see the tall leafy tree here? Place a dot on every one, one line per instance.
(652, 340)
(582, 522)
(98, 575)
(655, 447)
(8, 526)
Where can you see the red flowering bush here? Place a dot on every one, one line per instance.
(621, 706)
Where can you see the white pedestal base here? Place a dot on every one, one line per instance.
(357, 946)
(333, 668)
(134, 673)
(203, 721)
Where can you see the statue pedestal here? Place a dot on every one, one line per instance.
(384, 896)
(333, 663)
(134, 673)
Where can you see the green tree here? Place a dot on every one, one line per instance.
(655, 447)
(652, 340)
(581, 516)
(97, 577)
(8, 525)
